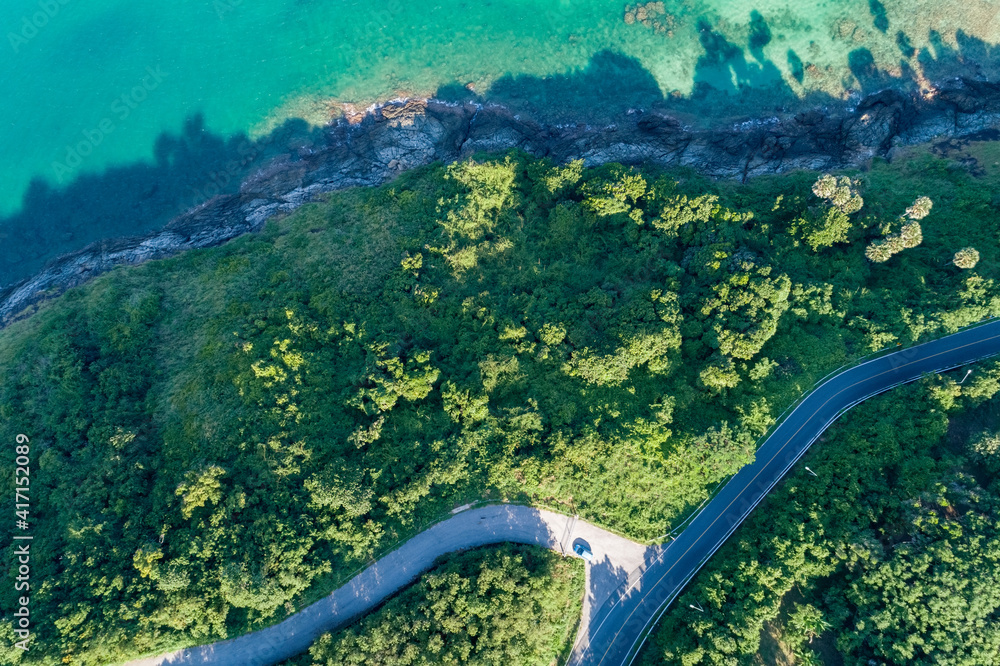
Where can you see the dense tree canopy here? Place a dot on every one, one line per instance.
(934, 598)
(220, 437)
(894, 545)
(505, 605)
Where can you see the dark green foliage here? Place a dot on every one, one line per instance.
(825, 228)
(894, 547)
(827, 225)
(505, 605)
(934, 597)
(219, 437)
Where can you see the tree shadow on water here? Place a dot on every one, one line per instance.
(730, 81)
(862, 64)
(189, 167)
(970, 57)
(760, 35)
(610, 84)
(726, 79)
(880, 18)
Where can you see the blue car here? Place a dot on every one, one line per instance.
(583, 551)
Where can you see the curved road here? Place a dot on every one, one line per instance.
(614, 558)
(628, 585)
(616, 633)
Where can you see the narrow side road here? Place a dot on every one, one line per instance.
(614, 559)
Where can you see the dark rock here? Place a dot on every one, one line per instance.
(658, 123)
(212, 223)
(810, 118)
(888, 97)
(372, 148)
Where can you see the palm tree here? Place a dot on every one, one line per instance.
(966, 258)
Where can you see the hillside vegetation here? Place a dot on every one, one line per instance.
(505, 605)
(220, 437)
(889, 555)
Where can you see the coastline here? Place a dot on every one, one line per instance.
(372, 147)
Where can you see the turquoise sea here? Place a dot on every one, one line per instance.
(115, 113)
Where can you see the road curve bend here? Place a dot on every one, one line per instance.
(614, 559)
(618, 629)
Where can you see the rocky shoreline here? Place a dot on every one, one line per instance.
(372, 147)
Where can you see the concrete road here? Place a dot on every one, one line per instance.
(615, 634)
(615, 558)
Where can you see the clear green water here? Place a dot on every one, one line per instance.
(246, 65)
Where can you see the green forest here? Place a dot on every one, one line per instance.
(888, 556)
(505, 605)
(219, 438)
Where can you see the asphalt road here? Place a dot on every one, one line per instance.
(617, 630)
(614, 559)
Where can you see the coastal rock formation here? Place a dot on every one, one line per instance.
(399, 135)
(652, 15)
(213, 223)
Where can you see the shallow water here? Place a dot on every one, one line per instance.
(93, 85)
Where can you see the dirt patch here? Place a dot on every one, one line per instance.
(825, 645)
(773, 652)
